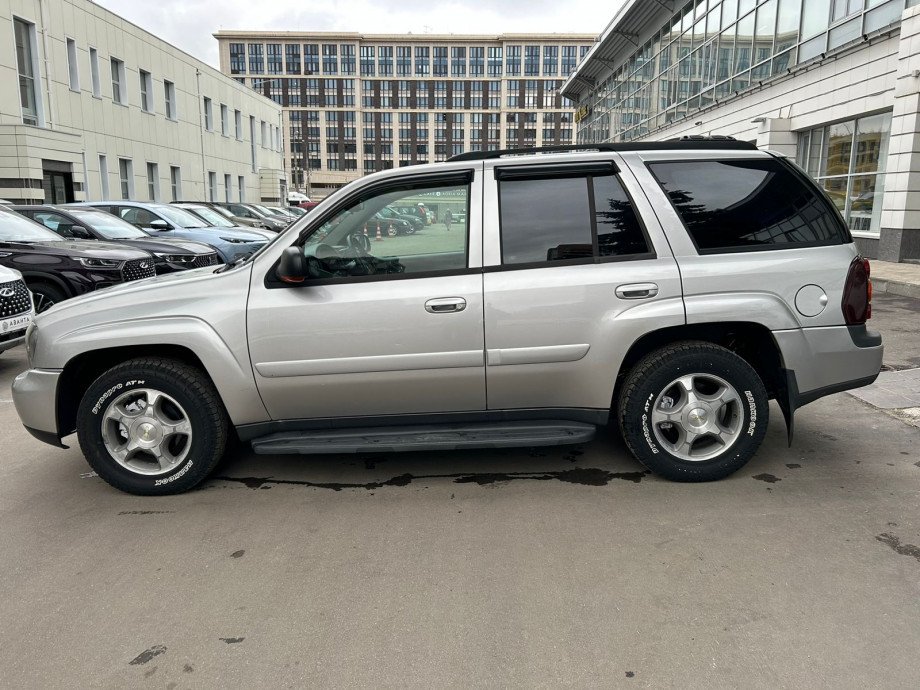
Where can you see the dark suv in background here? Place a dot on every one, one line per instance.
(89, 224)
(55, 269)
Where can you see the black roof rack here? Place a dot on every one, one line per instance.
(685, 143)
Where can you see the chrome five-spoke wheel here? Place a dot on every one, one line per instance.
(697, 416)
(146, 431)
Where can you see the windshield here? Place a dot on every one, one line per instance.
(16, 228)
(179, 217)
(263, 209)
(222, 211)
(110, 227)
(211, 216)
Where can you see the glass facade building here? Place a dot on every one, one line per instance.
(710, 50)
(829, 83)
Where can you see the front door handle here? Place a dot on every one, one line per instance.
(445, 305)
(637, 291)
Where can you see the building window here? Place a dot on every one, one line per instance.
(241, 183)
(311, 58)
(237, 58)
(146, 90)
(348, 58)
(513, 61)
(570, 59)
(495, 62)
(118, 82)
(238, 124)
(550, 60)
(264, 138)
(256, 63)
(477, 61)
(228, 188)
(252, 142)
(422, 61)
(367, 61)
(849, 160)
(292, 58)
(72, 68)
(94, 72)
(169, 90)
(25, 62)
(273, 58)
(126, 178)
(208, 115)
(212, 185)
(175, 182)
(330, 59)
(103, 177)
(224, 120)
(153, 182)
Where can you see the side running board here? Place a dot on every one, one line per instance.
(425, 437)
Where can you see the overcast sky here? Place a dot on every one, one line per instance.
(189, 24)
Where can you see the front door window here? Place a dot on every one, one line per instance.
(384, 234)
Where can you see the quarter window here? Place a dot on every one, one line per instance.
(584, 217)
(748, 204)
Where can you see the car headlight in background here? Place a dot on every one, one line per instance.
(100, 263)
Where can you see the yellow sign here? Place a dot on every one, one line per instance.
(582, 113)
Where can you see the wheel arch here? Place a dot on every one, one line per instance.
(751, 341)
(40, 277)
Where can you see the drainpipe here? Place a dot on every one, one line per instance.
(49, 119)
(204, 171)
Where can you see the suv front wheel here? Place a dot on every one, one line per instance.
(693, 412)
(152, 426)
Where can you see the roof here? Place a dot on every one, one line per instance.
(406, 37)
(622, 33)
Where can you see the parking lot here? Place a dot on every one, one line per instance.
(539, 567)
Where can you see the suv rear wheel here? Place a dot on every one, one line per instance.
(46, 296)
(152, 426)
(693, 412)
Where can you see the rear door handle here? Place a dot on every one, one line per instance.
(445, 305)
(637, 291)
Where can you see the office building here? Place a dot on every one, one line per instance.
(93, 107)
(832, 83)
(357, 103)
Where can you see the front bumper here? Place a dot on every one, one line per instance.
(35, 397)
(828, 360)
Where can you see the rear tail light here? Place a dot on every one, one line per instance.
(857, 293)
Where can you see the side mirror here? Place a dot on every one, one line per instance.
(159, 224)
(80, 232)
(292, 268)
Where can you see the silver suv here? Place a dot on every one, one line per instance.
(671, 288)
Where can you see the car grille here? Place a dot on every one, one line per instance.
(17, 302)
(203, 260)
(138, 269)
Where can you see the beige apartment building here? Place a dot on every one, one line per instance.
(93, 107)
(357, 103)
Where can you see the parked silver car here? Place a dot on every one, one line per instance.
(672, 288)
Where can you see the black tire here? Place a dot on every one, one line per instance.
(651, 377)
(188, 386)
(46, 295)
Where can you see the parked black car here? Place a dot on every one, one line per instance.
(55, 269)
(88, 224)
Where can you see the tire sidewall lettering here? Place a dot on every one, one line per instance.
(112, 390)
(646, 430)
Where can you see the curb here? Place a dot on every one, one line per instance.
(894, 287)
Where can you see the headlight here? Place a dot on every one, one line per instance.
(100, 263)
(176, 258)
(234, 240)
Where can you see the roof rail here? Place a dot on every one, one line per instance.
(685, 143)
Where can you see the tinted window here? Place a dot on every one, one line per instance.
(107, 225)
(748, 204)
(618, 230)
(545, 220)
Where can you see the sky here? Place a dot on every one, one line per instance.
(189, 24)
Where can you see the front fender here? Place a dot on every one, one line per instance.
(226, 363)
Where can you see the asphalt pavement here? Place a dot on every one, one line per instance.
(532, 567)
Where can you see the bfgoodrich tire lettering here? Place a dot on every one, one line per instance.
(657, 422)
(190, 404)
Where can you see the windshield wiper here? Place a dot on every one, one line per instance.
(233, 264)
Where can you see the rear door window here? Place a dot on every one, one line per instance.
(569, 217)
(747, 205)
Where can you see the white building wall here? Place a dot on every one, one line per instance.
(78, 126)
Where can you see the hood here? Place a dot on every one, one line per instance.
(81, 248)
(168, 245)
(184, 286)
(8, 275)
(209, 235)
(267, 234)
